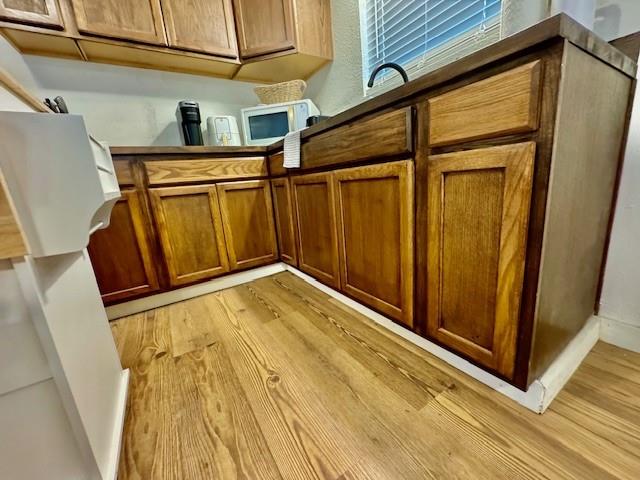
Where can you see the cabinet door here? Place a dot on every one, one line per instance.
(190, 229)
(121, 253)
(314, 200)
(264, 26)
(140, 20)
(247, 217)
(375, 231)
(201, 25)
(37, 12)
(285, 220)
(478, 208)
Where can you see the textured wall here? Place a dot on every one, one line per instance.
(123, 105)
(338, 85)
(620, 300)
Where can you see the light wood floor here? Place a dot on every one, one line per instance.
(274, 379)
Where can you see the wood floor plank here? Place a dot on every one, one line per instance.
(190, 328)
(301, 435)
(274, 379)
(150, 434)
(218, 433)
(384, 444)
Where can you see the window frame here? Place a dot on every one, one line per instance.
(429, 61)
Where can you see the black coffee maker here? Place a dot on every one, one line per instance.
(189, 114)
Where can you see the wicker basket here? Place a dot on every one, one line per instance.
(281, 92)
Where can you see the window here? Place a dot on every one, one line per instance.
(422, 35)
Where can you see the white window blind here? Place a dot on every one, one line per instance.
(422, 35)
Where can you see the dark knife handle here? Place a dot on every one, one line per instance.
(62, 106)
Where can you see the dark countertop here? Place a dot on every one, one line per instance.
(181, 150)
(558, 26)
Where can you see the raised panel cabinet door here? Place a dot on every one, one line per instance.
(478, 212)
(247, 218)
(375, 231)
(121, 253)
(190, 229)
(264, 26)
(36, 12)
(315, 210)
(201, 25)
(285, 220)
(138, 20)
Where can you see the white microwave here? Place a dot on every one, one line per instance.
(265, 124)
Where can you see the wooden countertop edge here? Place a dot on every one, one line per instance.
(558, 26)
(189, 150)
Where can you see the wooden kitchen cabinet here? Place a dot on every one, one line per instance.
(285, 220)
(121, 254)
(36, 12)
(140, 20)
(201, 25)
(375, 231)
(247, 219)
(314, 200)
(478, 210)
(264, 26)
(281, 40)
(191, 234)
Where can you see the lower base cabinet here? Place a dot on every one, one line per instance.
(121, 254)
(478, 208)
(247, 219)
(375, 231)
(356, 231)
(314, 201)
(286, 223)
(191, 233)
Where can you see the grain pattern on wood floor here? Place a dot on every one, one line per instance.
(275, 380)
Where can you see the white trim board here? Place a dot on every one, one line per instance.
(537, 398)
(118, 426)
(541, 392)
(620, 334)
(165, 298)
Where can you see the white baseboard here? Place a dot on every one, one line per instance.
(565, 365)
(620, 334)
(537, 398)
(165, 298)
(118, 427)
(540, 393)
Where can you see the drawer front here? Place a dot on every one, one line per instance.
(383, 135)
(503, 104)
(275, 164)
(163, 172)
(124, 174)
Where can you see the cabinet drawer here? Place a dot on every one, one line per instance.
(124, 174)
(163, 172)
(275, 164)
(382, 135)
(500, 105)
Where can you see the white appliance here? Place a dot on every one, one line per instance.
(266, 124)
(62, 388)
(222, 130)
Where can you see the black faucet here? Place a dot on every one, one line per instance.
(393, 65)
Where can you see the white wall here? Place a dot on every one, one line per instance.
(620, 299)
(338, 85)
(124, 105)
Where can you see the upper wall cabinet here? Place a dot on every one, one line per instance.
(283, 39)
(36, 12)
(248, 40)
(264, 26)
(140, 20)
(201, 25)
